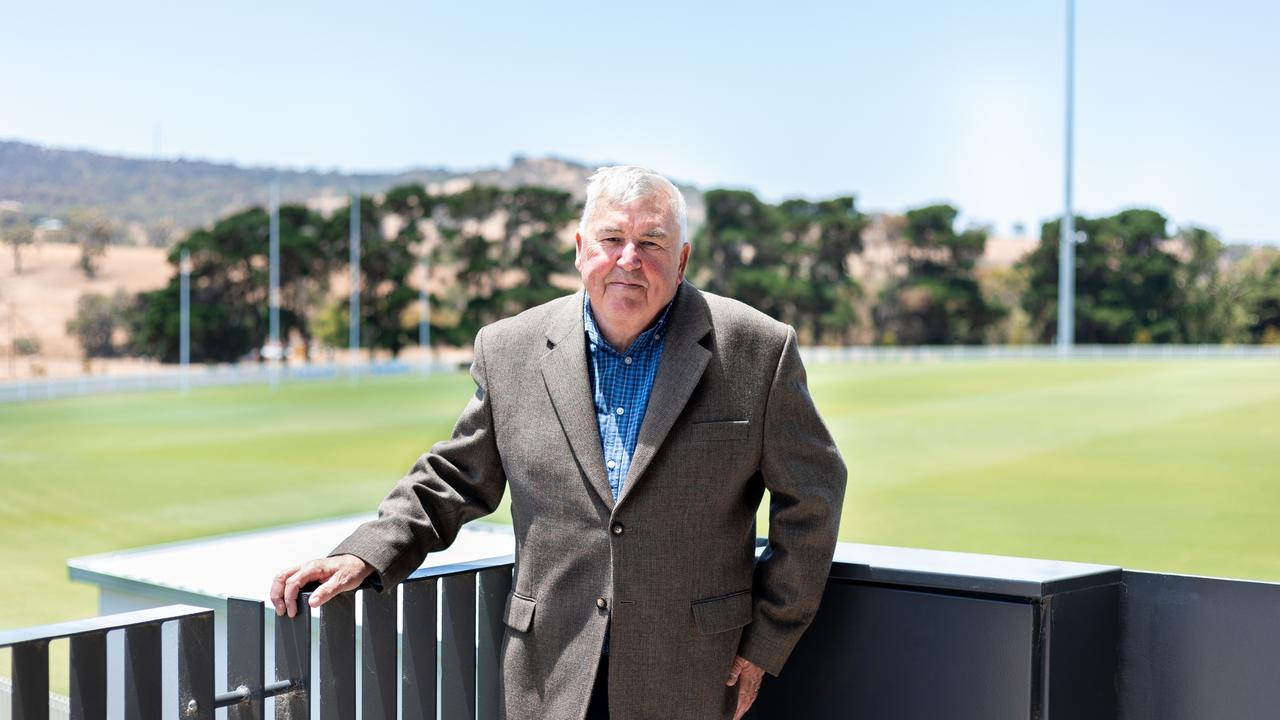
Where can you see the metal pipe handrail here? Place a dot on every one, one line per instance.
(244, 694)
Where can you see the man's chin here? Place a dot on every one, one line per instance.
(622, 306)
(624, 303)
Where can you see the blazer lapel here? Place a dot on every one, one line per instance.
(564, 370)
(683, 362)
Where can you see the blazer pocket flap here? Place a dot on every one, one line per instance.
(718, 430)
(519, 613)
(726, 612)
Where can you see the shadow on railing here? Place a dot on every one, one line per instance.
(469, 597)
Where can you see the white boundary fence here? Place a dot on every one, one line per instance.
(209, 376)
(202, 376)
(940, 353)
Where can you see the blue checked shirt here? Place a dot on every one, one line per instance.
(621, 383)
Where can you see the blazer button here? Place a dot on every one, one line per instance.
(617, 528)
(602, 603)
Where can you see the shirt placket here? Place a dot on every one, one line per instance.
(622, 419)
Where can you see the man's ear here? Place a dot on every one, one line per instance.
(577, 250)
(684, 260)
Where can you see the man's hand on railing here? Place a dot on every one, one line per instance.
(336, 574)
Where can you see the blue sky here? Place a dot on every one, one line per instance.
(900, 103)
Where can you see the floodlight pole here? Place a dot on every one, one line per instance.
(277, 351)
(184, 335)
(1067, 229)
(353, 333)
(424, 318)
(13, 345)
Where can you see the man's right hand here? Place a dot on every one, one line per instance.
(336, 574)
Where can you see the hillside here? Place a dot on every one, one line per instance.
(38, 303)
(161, 198)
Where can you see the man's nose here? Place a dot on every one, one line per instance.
(629, 258)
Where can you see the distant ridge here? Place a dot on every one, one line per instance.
(180, 194)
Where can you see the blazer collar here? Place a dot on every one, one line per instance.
(684, 358)
(564, 370)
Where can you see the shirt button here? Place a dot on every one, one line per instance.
(619, 411)
(627, 359)
(602, 603)
(617, 528)
(611, 464)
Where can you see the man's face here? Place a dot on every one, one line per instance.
(632, 262)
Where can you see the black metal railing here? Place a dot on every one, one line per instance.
(467, 598)
(900, 633)
(88, 640)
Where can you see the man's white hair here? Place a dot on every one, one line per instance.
(623, 184)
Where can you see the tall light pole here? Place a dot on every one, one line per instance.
(276, 350)
(353, 332)
(424, 317)
(1067, 229)
(184, 334)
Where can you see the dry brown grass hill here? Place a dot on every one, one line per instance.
(38, 302)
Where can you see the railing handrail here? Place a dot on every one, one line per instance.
(460, 568)
(101, 623)
(119, 621)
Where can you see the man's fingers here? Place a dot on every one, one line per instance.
(321, 595)
(734, 671)
(745, 698)
(336, 574)
(308, 572)
(338, 582)
(277, 589)
(748, 678)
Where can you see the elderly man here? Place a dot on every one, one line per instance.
(637, 425)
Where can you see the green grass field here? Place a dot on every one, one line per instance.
(1166, 465)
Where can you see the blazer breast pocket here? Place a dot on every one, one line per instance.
(718, 430)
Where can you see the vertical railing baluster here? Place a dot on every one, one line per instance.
(418, 685)
(30, 700)
(142, 691)
(245, 656)
(293, 662)
(458, 648)
(378, 655)
(337, 688)
(89, 676)
(195, 667)
(495, 585)
(464, 680)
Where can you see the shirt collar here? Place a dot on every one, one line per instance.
(655, 332)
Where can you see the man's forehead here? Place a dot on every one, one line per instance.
(644, 213)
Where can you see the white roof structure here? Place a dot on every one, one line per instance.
(243, 564)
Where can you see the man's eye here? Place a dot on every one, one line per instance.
(609, 239)
(650, 245)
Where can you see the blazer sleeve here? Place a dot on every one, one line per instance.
(805, 475)
(459, 480)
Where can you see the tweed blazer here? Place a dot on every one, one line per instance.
(670, 569)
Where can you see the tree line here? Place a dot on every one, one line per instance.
(495, 252)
